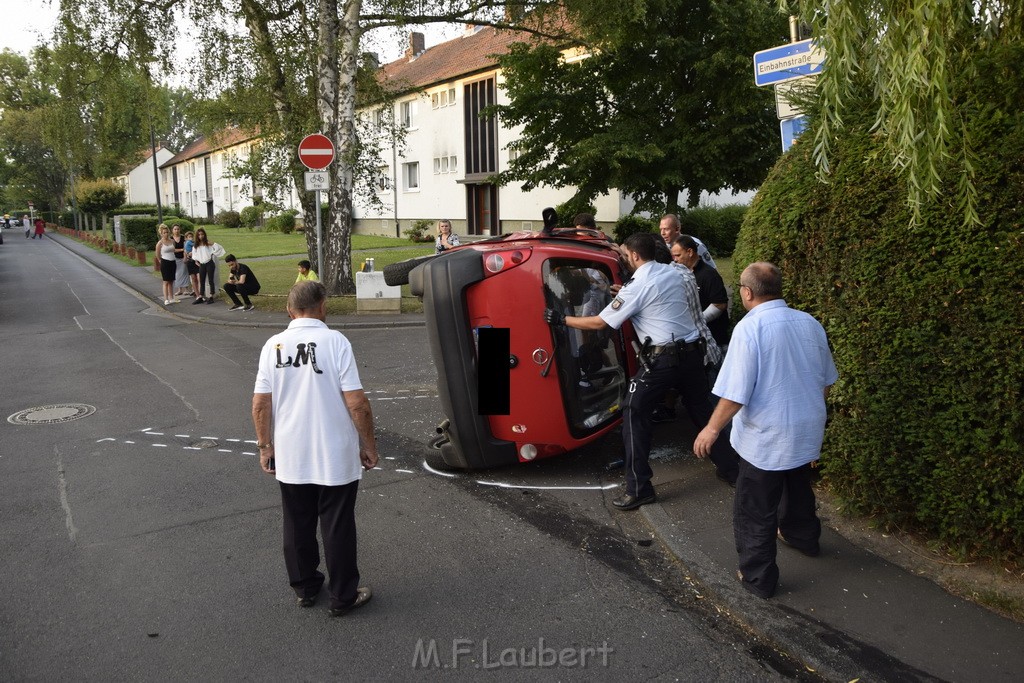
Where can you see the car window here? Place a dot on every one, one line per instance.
(590, 362)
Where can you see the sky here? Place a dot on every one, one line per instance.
(28, 22)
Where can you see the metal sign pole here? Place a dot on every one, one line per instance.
(319, 240)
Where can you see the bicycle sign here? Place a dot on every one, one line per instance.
(317, 180)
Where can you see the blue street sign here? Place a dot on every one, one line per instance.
(787, 62)
(791, 129)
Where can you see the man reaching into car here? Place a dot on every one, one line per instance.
(672, 356)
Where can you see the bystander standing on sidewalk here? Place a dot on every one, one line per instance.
(27, 222)
(774, 381)
(205, 254)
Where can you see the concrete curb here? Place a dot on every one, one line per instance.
(783, 629)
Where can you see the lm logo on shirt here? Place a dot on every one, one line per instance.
(305, 354)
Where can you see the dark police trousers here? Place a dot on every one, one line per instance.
(335, 508)
(683, 372)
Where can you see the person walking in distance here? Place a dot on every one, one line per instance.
(314, 431)
(773, 385)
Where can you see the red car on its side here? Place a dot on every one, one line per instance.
(512, 387)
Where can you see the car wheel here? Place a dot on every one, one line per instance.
(397, 274)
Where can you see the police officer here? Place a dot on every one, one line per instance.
(672, 356)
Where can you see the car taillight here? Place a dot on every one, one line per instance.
(498, 261)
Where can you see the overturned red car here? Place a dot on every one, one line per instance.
(512, 387)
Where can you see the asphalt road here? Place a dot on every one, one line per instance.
(142, 542)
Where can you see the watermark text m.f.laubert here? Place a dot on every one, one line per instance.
(483, 654)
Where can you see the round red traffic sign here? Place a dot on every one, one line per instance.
(316, 151)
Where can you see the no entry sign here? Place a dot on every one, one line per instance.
(316, 151)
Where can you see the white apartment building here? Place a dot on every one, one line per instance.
(198, 179)
(450, 152)
(138, 182)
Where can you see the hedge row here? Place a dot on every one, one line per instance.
(927, 427)
(716, 226)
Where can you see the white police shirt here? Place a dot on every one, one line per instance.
(654, 301)
(305, 369)
(704, 254)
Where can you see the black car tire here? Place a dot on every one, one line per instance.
(397, 274)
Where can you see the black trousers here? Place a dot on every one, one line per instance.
(767, 502)
(646, 390)
(243, 290)
(207, 271)
(335, 508)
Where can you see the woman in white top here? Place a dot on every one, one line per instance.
(165, 263)
(205, 254)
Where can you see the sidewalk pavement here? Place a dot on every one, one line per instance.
(147, 286)
(847, 614)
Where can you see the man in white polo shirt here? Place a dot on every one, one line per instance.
(314, 429)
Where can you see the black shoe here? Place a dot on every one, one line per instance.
(209, 299)
(663, 414)
(628, 502)
(363, 595)
(724, 479)
(306, 602)
(249, 307)
(236, 307)
(197, 301)
(813, 552)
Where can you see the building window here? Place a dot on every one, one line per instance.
(383, 180)
(193, 165)
(409, 114)
(481, 134)
(514, 149)
(443, 98)
(445, 164)
(378, 118)
(411, 176)
(453, 164)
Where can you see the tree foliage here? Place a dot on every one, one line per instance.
(99, 196)
(664, 102)
(910, 55)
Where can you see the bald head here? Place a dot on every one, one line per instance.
(764, 281)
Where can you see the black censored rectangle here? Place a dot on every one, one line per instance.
(493, 351)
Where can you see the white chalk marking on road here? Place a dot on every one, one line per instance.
(127, 441)
(156, 433)
(233, 440)
(389, 457)
(224, 450)
(109, 438)
(430, 469)
(405, 471)
(422, 397)
(146, 429)
(248, 453)
(250, 441)
(403, 391)
(213, 438)
(159, 378)
(182, 436)
(192, 448)
(159, 445)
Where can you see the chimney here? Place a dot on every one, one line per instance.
(417, 44)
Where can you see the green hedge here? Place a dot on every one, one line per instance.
(140, 232)
(716, 226)
(629, 224)
(927, 423)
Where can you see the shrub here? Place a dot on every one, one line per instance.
(421, 231)
(629, 224)
(140, 232)
(229, 219)
(927, 424)
(250, 216)
(286, 221)
(186, 225)
(568, 210)
(716, 226)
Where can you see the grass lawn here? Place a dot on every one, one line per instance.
(245, 243)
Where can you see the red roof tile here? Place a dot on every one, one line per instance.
(204, 145)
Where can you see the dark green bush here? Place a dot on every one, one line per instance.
(140, 232)
(629, 224)
(716, 226)
(286, 221)
(185, 224)
(927, 428)
(229, 219)
(250, 216)
(568, 210)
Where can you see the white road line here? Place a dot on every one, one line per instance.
(503, 485)
(212, 438)
(159, 445)
(405, 471)
(182, 436)
(233, 440)
(389, 457)
(248, 453)
(126, 441)
(192, 448)
(224, 450)
(156, 433)
(106, 439)
(430, 469)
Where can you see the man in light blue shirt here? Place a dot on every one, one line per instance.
(773, 386)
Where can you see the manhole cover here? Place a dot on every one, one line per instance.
(48, 415)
